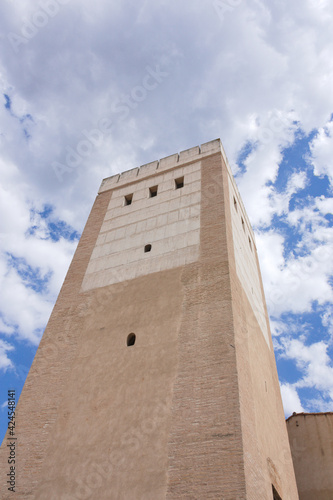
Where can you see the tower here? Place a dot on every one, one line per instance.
(156, 376)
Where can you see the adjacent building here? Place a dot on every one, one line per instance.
(311, 443)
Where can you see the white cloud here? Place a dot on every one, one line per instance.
(5, 362)
(327, 320)
(291, 400)
(325, 205)
(270, 249)
(262, 200)
(294, 281)
(6, 329)
(23, 308)
(278, 328)
(321, 149)
(314, 362)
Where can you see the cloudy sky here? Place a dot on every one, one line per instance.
(89, 89)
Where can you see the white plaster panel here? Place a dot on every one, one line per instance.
(141, 200)
(170, 222)
(246, 262)
(137, 268)
(153, 207)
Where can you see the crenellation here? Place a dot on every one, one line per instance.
(128, 175)
(148, 168)
(164, 164)
(168, 162)
(189, 154)
(109, 181)
(211, 147)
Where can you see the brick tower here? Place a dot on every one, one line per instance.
(156, 378)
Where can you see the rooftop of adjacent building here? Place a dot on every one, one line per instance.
(305, 414)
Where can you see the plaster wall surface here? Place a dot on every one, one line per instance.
(170, 222)
(245, 258)
(311, 443)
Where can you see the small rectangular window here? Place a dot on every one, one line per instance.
(179, 183)
(152, 191)
(128, 199)
(243, 224)
(235, 204)
(250, 243)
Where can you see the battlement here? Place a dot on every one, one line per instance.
(189, 155)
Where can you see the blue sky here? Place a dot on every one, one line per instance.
(89, 89)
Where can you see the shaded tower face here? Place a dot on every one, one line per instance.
(156, 375)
